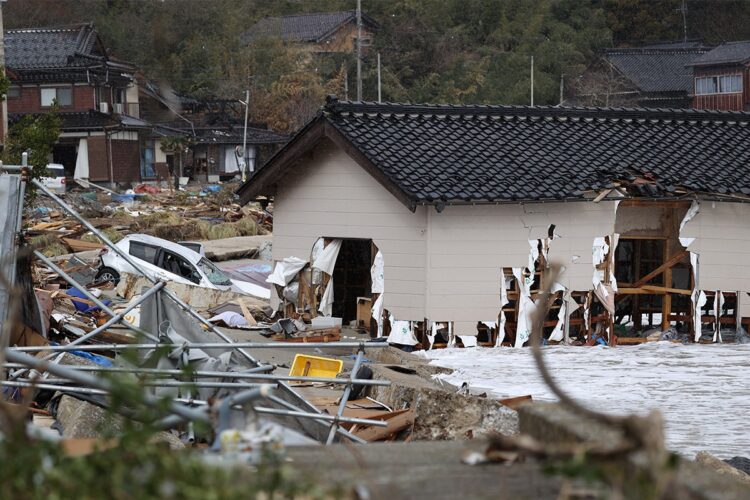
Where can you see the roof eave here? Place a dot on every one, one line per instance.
(263, 181)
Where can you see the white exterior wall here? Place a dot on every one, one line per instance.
(469, 245)
(330, 195)
(722, 242)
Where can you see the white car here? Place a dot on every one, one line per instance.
(164, 260)
(56, 180)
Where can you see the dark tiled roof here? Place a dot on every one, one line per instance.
(304, 27)
(49, 48)
(465, 154)
(726, 53)
(656, 70)
(235, 135)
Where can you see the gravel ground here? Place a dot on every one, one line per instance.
(702, 390)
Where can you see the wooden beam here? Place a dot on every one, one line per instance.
(667, 265)
(665, 290)
(640, 202)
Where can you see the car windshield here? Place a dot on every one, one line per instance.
(56, 172)
(214, 274)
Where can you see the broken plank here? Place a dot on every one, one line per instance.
(246, 313)
(396, 424)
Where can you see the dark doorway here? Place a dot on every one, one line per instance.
(65, 154)
(351, 277)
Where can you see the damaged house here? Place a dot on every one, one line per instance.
(462, 208)
(101, 133)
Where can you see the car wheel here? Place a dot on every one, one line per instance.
(107, 275)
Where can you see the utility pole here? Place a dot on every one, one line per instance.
(359, 50)
(4, 104)
(379, 94)
(532, 80)
(244, 138)
(562, 77)
(683, 11)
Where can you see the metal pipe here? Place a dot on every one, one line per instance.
(296, 413)
(52, 387)
(345, 397)
(160, 371)
(302, 414)
(238, 398)
(162, 383)
(88, 294)
(248, 374)
(127, 258)
(90, 381)
(199, 345)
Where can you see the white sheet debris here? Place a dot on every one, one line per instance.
(286, 270)
(700, 389)
(376, 273)
(326, 260)
(401, 333)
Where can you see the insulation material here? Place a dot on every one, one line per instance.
(376, 273)
(558, 334)
(744, 304)
(326, 261)
(718, 305)
(691, 213)
(606, 296)
(526, 307)
(377, 313)
(699, 300)
(286, 270)
(720, 235)
(317, 275)
(468, 340)
(326, 301)
(401, 333)
(504, 286)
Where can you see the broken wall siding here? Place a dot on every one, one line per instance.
(469, 246)
(576, 227)
(329, 195)
(722, 242)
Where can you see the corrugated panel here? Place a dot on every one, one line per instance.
(9, 198)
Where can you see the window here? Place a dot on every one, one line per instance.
(142, 251)
(179, 266)
(215, 275)
(14, 91)
(63, 96)
(718, 84)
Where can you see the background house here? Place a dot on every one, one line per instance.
(722, 79)
(94, 92)
(652, 76)
(319, 32)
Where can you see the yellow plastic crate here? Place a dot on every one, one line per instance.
(315, 366)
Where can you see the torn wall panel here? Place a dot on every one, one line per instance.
(575, 232)
(720, 234)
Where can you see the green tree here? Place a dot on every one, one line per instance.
(35, 134)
